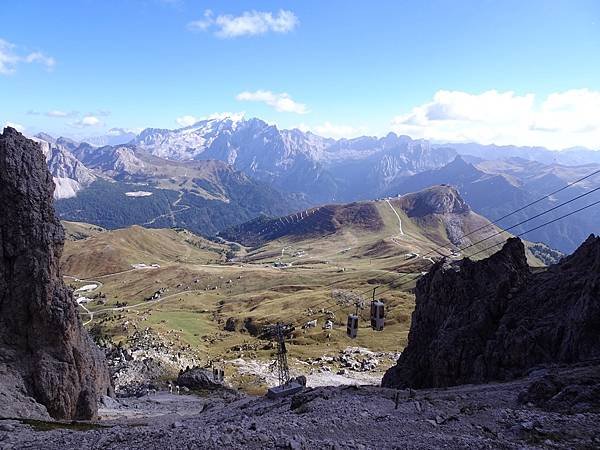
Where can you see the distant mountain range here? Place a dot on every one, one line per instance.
(118, 186)
(208, 166)
(115, 136)
(325, 170)
(569, 157)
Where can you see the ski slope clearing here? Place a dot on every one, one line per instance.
(397, 215)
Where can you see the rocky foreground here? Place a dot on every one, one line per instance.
(551, 408)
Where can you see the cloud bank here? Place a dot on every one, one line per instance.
(332, 130)
(559, 120)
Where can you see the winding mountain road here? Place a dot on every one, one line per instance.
(137, 305)
(171, 213)
(99, 285)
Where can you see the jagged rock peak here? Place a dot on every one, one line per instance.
(49, 366)
(442, 199)
(588, 254)
(495, 319)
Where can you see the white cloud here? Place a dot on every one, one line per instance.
(330, 130)
(57, 113)
(203, 24)
(88, 121)
(10, 58)
(281, 102)
(337, 131)
(53, 113)
(60, 114)
(560, 120)
(186, 121)
(20, 128)
(249, 23)
(39, 57)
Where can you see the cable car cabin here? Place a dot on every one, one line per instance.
(377, 315)
(352, 327)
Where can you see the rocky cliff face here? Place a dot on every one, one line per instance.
(495, 319)
(70, 174)
(48, 363)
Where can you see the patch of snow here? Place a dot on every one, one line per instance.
(87, 288)
(138, 194)
(145, 266)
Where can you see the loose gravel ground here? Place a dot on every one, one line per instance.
(350, 417)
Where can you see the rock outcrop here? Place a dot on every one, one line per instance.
(495, 319)
(198, 378)
(49, 365)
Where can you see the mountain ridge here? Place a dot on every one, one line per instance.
(414, 224)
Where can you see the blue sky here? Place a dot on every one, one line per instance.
(523, 72)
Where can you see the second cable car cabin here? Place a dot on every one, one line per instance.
(377, 315)
(377, 318)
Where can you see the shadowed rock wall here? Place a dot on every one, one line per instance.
(494, 319)
(48, 363)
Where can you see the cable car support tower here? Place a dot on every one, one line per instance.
(283, 370)
(286, 386)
